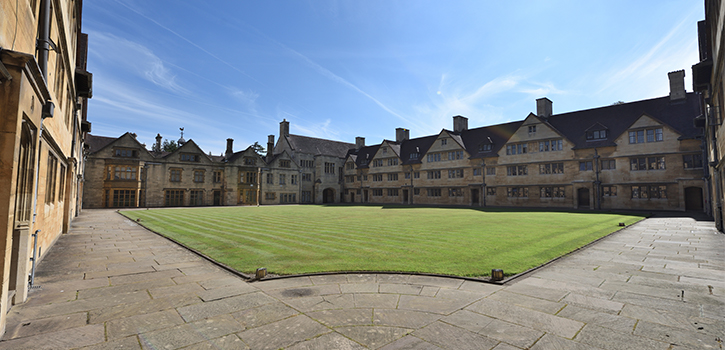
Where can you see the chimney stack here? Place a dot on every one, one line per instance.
(677, 85)
(460, 123)
(230, 150)
(158, 143)
(359, 142)
(401, 134)
(544, 108)
(283, 128)
(270, 147)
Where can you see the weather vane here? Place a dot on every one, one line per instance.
(182, 132)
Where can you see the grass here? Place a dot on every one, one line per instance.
(453, 241)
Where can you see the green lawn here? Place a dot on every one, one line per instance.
(454, 241)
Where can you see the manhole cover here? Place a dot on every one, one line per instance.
(297, 292)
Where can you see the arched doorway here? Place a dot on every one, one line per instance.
(582, 196)
(328, 195)
(693, 198)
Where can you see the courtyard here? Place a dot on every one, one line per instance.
(450, 241)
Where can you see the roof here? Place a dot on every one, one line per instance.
(317, 146)
(96, 143)
(497, 135)
(363, 155)
(418, 145)
(618, 118)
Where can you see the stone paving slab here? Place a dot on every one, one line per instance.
(110, 284)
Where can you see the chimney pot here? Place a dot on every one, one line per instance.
(401, 134)
(230, 150)
(283, 128)
(359, 142)
(544, 107)
(270, 147)
(158, 143)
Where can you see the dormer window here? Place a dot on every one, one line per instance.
(414, 156)
(284, 163)
(249, 161)
(125, 153)
(485, 147)
(596, 135)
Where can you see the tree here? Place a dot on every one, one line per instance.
(258, 148)
(169, 146)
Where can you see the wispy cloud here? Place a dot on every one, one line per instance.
(247, 98)
(134, 59)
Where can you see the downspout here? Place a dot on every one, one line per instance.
(412, 188)
(483, 182)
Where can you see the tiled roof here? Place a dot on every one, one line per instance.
(418, 145)
(364, 155)
(497, 135)
(96, 143)
(618, 118)
(317, 146)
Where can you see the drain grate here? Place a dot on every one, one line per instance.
(35, 287)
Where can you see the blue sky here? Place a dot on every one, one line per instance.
(341, 69)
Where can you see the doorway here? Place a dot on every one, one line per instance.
(582, 196)
(693, 198)
(352, 197)
(217, 197)
(405, 196)
(365, 196)
(328, 195)
(474, 196)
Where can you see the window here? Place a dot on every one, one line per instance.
(392, 161)
(124, 173)
(476, 171)
(455, 192)
(174, 198)
(281, 179)
(517, 170)
(284, 163)
(435, 174)
(50, 180)
(350, 166)
(407, 175)
(551, 145)
(551, 168)
(329, 168)
(596, 135)
(270, 178)
(490, 191)
(377, 177)
(269, 195)
(485, 147)
(198, 175)
(653, 135)
(125, 153)
(414, 156)
(532, 129)
(350, 179)
(517, 192)
(585, 166)
(393, 177)
(306, 177)
(434, 192)
(377, 162)
(609, 164)
(444, 142)
(306, 197)
(175, 175)
(392, 192)
(124, 198)
(455, 155)
(692, 161)
(189, 157)
(609, 191)
(491, 170)
(649, 191)
(434, 157)
(196, 197)
(249, 161)
(385, 150)
(61, 186)
(377, 192)
(416, 175)
(217, 176)
(649, 163)
(416, 191)
(552, 192)
(455, 173)
(293, 179)
(365, 178)
(307, 163)
(517, 148)
(288, 198)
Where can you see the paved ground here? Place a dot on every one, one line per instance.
(110, 284)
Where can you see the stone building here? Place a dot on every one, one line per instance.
(121, 172)
(44, 88)
(707, 79)
(638, 155)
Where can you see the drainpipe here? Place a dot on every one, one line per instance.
(412, 188)
(483, 182)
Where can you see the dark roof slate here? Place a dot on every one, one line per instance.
(497, 134)
(618, 118)
(96, 143)
(317, 146)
